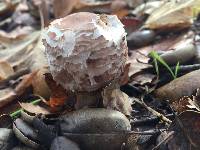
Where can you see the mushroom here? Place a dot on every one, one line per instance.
(86, 51)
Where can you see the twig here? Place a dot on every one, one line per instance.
(152, 120)
(150, 132)
(159, 115)
(41, 16)
(167, 138)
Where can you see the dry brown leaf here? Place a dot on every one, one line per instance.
(6, 96)
(172, 15)
(39, 85)
(134, 3)
(135, 65)
(181, 104)
(117, 5)
(142, 78)
(161, 45)
(25, 83)
(18, 34)
(121, 13)
(194, 103)
(20, 54)
(28, 53)
(64, 7)
(196, 97)
(187, 131)
(9, 6)
(119, 8)
(147, 8)
(35, 109)
(58, 93)
(5, 70)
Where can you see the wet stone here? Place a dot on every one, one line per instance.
(94, 121)
(62, 143)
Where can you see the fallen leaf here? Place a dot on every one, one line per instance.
(25, 83)
(64, 7)
(147, 8)
(135, 65)
(142, 78)
(172, 15)
(118, 5)
(58, 94)
(18, 34)
(130, 23)
(39, 85)
(137, 74)
(5, 70)
(187, 131)
(196, 97)
(121, 13)
(194, 103)
(134, 3)
(28, 53)
(34, 109)
(20, 54)
(181, 105)
(161, 45)
(6, 7)
(6, 96)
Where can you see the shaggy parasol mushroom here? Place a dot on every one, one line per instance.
(86, 51)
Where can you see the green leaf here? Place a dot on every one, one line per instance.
(155, 55)
(18, 112)
(176, 69)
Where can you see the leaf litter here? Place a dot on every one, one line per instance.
(167, 108)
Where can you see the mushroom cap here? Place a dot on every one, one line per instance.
(85, 51)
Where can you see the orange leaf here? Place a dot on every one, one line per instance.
(58, 93)
(54, 102)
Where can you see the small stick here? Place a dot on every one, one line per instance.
(150, 132)
(167, 138)
(151, 120)
(159, 115)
